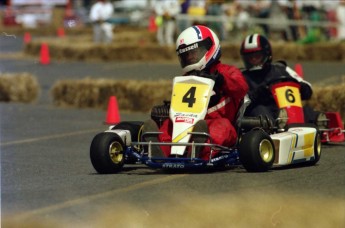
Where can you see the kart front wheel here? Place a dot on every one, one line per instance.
(256, 151)
(317, 149)
(107, 153)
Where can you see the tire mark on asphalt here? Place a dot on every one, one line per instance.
(48, 137)
(89, 198)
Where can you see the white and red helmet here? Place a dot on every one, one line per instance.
(197, 48)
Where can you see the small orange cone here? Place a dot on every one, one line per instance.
(27, 37)
(113, 116)
(299, 70)
(44, 54)
(60, 32)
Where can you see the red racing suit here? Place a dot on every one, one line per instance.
(222, 110)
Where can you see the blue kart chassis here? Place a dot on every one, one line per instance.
(226, 156)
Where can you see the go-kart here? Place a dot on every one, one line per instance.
(258, 149)
(285, 91)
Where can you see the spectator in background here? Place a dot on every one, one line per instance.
(197, 8)
(293, 13)
(239, 10)
(261, 10)
(215, 8)
(166, 12)
(312, 11)
(184, 10)
(100, 13)
(340, 13)
(278, 13)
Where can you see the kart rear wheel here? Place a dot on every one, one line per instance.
(107, 153)
(256, 151)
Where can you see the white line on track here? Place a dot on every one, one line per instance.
(89, 198)
(48, 137)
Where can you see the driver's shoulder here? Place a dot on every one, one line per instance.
(280, 63)
(279, 67)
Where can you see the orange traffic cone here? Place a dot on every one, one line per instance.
(44, 57)
(299, 70)
(60, 32)
(27, 37)
(113, 116)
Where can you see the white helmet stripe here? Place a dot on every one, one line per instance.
(251, 42)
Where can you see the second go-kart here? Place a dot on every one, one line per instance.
(259, 148)
(285, 91)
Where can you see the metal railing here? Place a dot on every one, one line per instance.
(254, 20)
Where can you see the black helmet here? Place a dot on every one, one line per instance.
(256, 52)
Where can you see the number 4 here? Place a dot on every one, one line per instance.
(189, 97)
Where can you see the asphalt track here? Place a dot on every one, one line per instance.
(46, 172)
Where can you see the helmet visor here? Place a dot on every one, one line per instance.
(254, 60)
(193, 53)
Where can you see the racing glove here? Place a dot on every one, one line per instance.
(159, 113)
(217, 77)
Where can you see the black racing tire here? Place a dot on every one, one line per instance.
(317, 149)
(107, 153)
(135, 129)
(256, 151)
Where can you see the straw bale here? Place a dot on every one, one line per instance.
(329, 99)
(324, 51)
(140, 96)
(288, 51)
(20, 87)
(342, 51)
(231, 51)
(136, 46)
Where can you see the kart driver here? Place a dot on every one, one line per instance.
(259, 70)
(198, 50)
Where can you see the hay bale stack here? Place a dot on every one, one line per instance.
(138, 96)
(129, 47)
(231, 51)
(289, 51)
(22, 87)
(81, 51)
(329, 99)
(324, 51)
